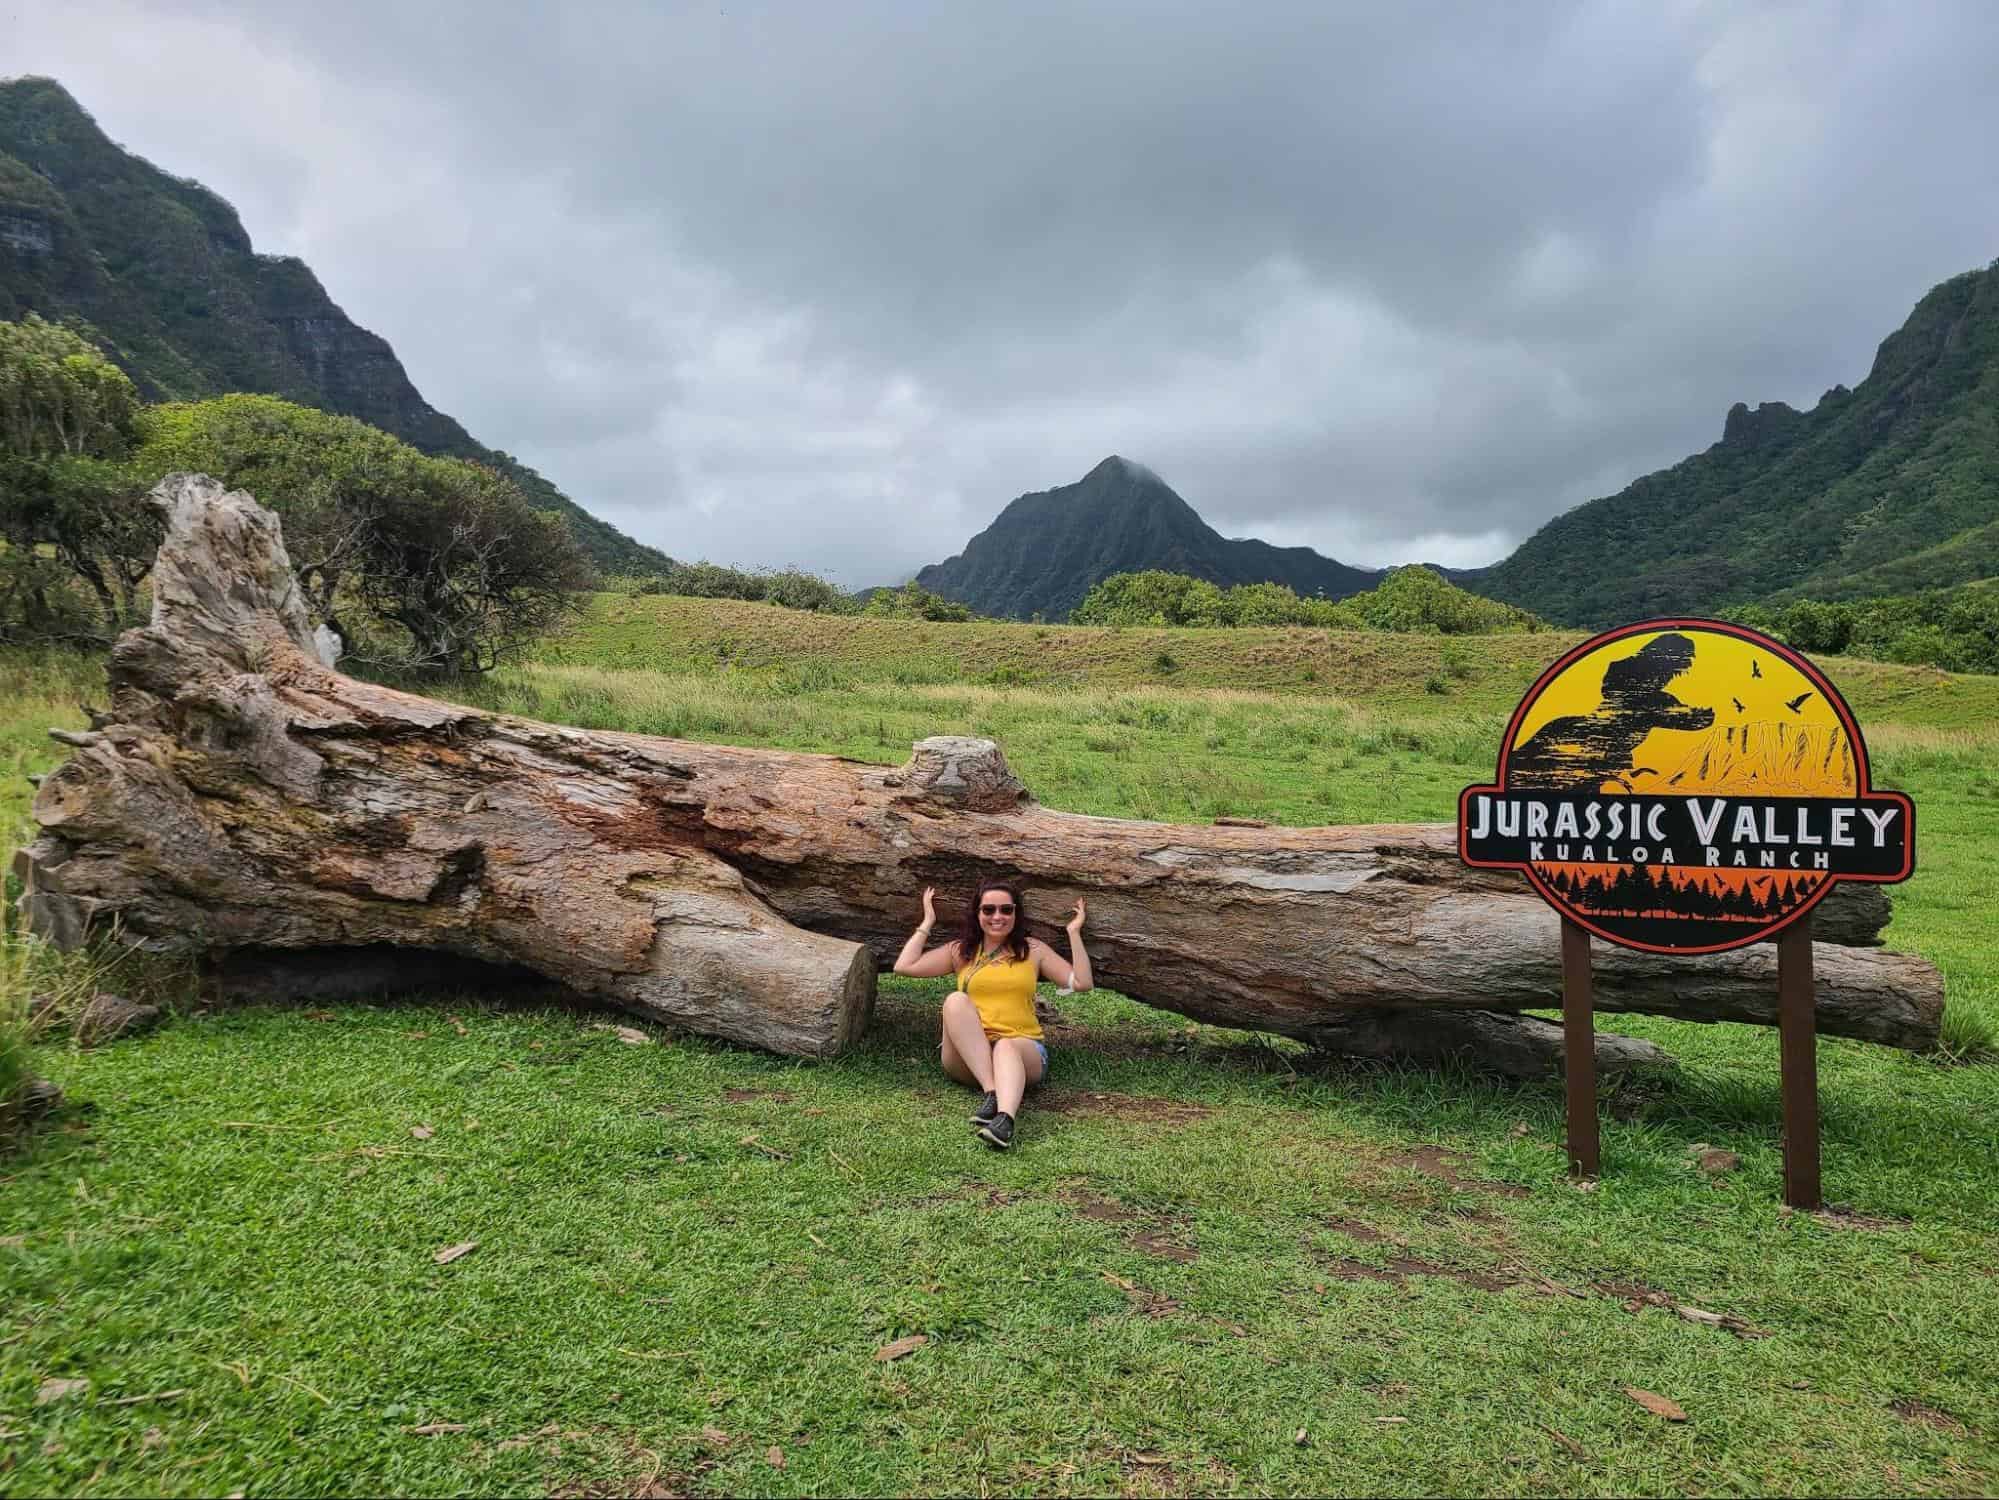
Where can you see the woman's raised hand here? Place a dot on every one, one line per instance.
(929, 907)
(1076, 921)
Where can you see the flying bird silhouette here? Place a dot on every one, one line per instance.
(1755, 667)
(1738, 704)
(1797, 703)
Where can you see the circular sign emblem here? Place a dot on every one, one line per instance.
(1685, 786)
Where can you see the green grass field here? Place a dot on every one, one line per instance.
(1214, 1264)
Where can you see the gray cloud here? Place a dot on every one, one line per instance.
(831, 284)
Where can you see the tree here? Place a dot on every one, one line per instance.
(468, 570)
(1814, 626)
(1153, 597)
(1420, 599)
(59, 397)
(70, 511)
(446, 554)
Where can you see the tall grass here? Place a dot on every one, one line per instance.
(14, 1056)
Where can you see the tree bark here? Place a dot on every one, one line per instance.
(245, 797)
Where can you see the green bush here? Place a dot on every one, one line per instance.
(793, 588)
(1418, 599)
(1955, 629)
(914, 602)
(1409, 599)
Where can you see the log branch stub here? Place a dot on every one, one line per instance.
(957, 771)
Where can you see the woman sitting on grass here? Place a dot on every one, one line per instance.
(992, 1038)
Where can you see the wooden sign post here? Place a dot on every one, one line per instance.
(1688, 787)
(1579, 1048)
(1798, 1064)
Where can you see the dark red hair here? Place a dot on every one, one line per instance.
(972, 937)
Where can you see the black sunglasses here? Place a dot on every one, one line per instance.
(996, 911)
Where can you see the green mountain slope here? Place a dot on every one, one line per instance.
(1046, 549)
(162, 268)
(1887, 488)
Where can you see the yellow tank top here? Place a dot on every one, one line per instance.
(1003, 990)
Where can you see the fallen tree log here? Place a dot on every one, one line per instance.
(242, 798)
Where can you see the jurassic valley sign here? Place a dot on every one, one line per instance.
(1688, 786)
(1685, 786)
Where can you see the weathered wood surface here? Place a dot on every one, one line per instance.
(242, 796)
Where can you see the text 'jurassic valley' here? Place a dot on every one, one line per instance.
(1866, 837)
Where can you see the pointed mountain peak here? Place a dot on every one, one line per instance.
(1119, 467)
(1045, 550)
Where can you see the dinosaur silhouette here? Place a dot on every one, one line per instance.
(1585, 750)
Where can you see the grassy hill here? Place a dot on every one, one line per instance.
(1471, 674)
(1891, 487)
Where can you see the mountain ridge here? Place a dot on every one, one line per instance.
(1045, 550)
(1890, 487)
(162, 269)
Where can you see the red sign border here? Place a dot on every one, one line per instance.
(1863, 775)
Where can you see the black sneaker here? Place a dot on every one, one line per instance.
(997, 1132)
(988, 1107)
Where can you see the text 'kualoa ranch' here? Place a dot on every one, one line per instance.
(1859, 837)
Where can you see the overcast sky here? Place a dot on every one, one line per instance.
(832, 283)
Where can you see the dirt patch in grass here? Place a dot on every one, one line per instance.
(640, 1472)
(1400, 1268)
(1637, 1296)
(1842, 1216)
(984, 1194)
(1365, 1234)
(1922, 1414)
(1162, 1235)
(1149, 1110)
(1162, 1244)
(1448, 1166)
(1095, 1206)
(1143, 1299)
(1143, 1472)
(744, 1096)
(1148, 1303)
